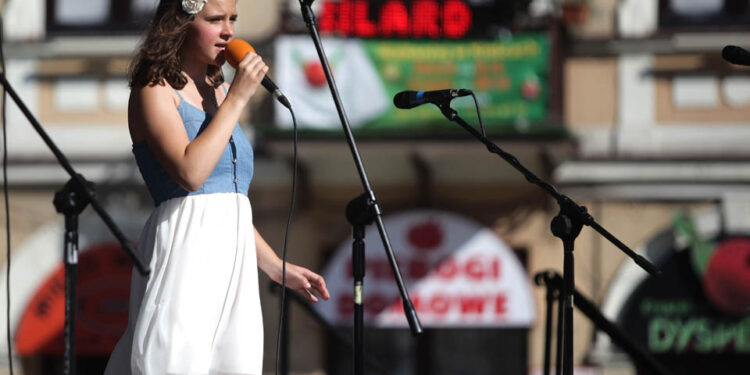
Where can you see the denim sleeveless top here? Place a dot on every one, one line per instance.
(232, 173)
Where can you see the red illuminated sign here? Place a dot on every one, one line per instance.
(430, 19)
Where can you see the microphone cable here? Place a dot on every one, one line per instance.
(3, 119)
(479, 114)
(282, 302)
(3, 102)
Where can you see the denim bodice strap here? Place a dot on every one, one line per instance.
(232, 173)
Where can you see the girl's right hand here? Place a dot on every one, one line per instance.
(250, 73)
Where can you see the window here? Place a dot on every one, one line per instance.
(98, 17)
(703, 14)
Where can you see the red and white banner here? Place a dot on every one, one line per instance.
(458, 274)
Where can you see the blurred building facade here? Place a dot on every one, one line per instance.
(654, 124)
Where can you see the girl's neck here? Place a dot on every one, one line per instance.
(196, 73)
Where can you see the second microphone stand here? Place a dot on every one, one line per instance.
(566, 226)
(361, 211)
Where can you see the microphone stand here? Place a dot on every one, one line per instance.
(337, 335)
(361, 211)
(71, 200)
(566, 226)
(553, 282)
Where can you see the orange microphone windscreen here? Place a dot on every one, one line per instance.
(236, 51)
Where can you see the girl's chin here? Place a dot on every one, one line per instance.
(219, 60)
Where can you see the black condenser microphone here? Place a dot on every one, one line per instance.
(736, 55)
(410, 99)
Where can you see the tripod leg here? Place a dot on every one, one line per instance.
(71, 263)
(358, 268)
(566, 226)
(568, 321)
(548, 329)
(560, 333)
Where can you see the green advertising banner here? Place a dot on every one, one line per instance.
(509, 77)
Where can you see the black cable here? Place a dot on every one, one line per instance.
(282, 302)
(6, 193)
(479, 113)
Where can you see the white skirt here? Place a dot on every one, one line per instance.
(198, 312)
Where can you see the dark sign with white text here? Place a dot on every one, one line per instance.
(695, 316)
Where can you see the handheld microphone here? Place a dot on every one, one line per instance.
(736, 55)
(410, 99)
(236, 51)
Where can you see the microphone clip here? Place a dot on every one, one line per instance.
(452, 94)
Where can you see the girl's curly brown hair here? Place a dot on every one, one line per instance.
(159, 57)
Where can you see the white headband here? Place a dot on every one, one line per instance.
(193, 6)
